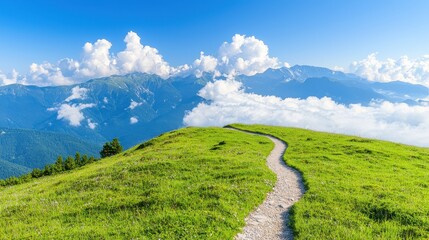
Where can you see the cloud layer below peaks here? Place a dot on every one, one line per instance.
(226, 103)
(403, 69)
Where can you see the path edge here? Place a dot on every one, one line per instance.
(300, 174)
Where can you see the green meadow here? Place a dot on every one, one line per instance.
(201, 183)
(194, 183)
(357, 188)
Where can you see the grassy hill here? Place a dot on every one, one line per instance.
(200, 183)
(356, 188)
(22, 149)
(189, 184)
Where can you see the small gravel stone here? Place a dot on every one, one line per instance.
(268, 221)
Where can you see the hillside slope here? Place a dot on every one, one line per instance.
(356, 188)
(22, 150)
(193, 183)
(200, 183)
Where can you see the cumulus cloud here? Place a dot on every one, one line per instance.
(46, 74)
(243, 55)
(8, 79)
(228, 103)
(403, 69)
(71, 112)
(139, 58)
(97, 61)
(204, 64)
(134, 120)
(134, 104)
(77, 93)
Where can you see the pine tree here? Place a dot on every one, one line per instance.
(107, 150)
(36, 173)
(69, 163)
(78, 159)
(111, 148)
(48, 170)
(116, 145)
(59, 165)
(85, 160)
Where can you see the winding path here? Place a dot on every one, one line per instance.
(271, 219)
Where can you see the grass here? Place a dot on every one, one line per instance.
(200, 183)
(194, 183)
(356, 188)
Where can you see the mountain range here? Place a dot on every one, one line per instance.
(22, 149)
(139, 106)
(345, 88)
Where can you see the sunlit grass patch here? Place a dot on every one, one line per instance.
(357, 188)
(176, 186)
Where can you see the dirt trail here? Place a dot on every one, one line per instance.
(271, 219)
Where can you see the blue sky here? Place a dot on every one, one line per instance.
(70, 42)
(322, 33)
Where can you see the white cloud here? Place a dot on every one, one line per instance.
(97, 60)
(243, 55)
(134, 104)
(45, 74)
(403, 69)
(139, 58)
(228, 103)
(8, 79)
(105, 100)
(91, 124)
(204, 64)
(77, 93)
(134, 120)
(71, 112)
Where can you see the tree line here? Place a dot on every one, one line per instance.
(109, 149)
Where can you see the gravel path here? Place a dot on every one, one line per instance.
(271, 219)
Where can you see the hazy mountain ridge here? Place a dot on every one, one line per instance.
(22, 150)
(305, 81)
(138, 106)
(112, 98)
(8, 169)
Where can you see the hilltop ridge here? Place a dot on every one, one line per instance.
(203, 182)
